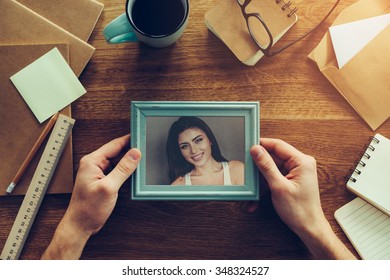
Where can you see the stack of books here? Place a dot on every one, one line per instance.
(30, 29)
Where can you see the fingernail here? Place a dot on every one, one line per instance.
(256, 151)
(134, 154)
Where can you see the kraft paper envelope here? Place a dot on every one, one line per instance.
(364, 81)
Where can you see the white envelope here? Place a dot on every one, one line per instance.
(350, 38)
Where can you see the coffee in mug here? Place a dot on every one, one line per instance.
(158, 23)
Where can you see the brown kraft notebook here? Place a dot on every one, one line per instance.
(20, 129)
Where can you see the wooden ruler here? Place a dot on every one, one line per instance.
(37, 188)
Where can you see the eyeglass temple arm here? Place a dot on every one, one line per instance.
(300, 38)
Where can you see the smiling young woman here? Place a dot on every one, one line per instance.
(195, 158)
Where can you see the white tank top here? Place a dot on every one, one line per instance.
(226, 176)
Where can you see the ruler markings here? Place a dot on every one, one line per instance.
(37, 188)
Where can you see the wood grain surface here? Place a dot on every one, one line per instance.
(298, 105)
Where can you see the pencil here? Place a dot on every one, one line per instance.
(32, 153)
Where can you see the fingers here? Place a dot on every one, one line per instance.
(124, 168)
(280, 149)
(113, 148)
(265, 163)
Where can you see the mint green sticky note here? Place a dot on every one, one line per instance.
(48, 85)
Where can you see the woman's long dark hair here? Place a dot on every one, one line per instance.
(178, 165)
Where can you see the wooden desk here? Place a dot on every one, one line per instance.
(297, 104)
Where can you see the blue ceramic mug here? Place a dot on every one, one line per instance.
(157, 23)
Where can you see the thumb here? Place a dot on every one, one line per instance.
(265, 164)
(125, 167)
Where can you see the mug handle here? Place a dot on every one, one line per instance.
(119, 31)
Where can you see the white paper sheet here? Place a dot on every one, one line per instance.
(349, 38)
(48, 85)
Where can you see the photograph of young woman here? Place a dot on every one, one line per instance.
(194, 157)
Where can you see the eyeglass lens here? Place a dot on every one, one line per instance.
(258, 28)
(258, 32)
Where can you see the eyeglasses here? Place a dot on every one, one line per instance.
(264, 40)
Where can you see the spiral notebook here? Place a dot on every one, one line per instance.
(367, 228)
(366, 219)
(371, 177)
(226, 21)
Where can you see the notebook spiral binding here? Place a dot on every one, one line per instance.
(286, 5)
(366, 156)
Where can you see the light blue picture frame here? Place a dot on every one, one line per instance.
(145, 121)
